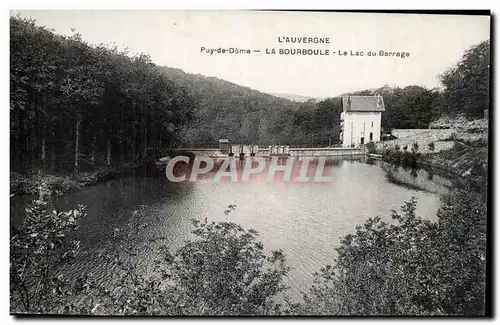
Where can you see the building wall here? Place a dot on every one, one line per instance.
(357, 125)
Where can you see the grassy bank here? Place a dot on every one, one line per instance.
(465, 158)
(62, 182)
(468, 160)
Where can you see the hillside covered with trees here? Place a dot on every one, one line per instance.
(76, 107)
(227, 110)
(73, 105)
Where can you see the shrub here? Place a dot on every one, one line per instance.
(222, 271)
(370, 147)
(462, 247)
(431, 146)
(411, 267)
(37, 250)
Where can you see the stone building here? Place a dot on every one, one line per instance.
(360, 120)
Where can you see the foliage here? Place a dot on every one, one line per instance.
(406, 108)
(468, 159)
(405, 158)
(227, 110)
(38, 248)
(40, 182)
(463, 223)
(467, 83)
(410, 267)
(370, 147)
(74, 106)
(317, 124)
(222, 271)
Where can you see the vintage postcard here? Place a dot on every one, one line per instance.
(242, 163)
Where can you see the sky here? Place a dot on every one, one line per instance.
(175, 39)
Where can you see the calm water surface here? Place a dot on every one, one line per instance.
(305, 220)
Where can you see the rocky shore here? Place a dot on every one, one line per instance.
(454, 145)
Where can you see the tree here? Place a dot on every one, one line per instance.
(317, 124)
(467, 84)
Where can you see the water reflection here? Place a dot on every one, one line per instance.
(305, 219)
(419, 179)
(276, 169)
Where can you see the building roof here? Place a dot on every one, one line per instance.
(223, 140)
(363, 103)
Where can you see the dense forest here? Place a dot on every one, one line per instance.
(226, 110)
(76, 107)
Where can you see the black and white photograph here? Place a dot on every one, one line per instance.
(249, 163)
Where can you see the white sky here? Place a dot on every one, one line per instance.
(174, 39)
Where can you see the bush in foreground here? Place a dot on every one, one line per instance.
(411, 267)
(222, 271)
(38, 249)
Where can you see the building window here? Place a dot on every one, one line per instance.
(371, 136)
(372, 123)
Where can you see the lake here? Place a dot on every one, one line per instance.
(305, 220)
